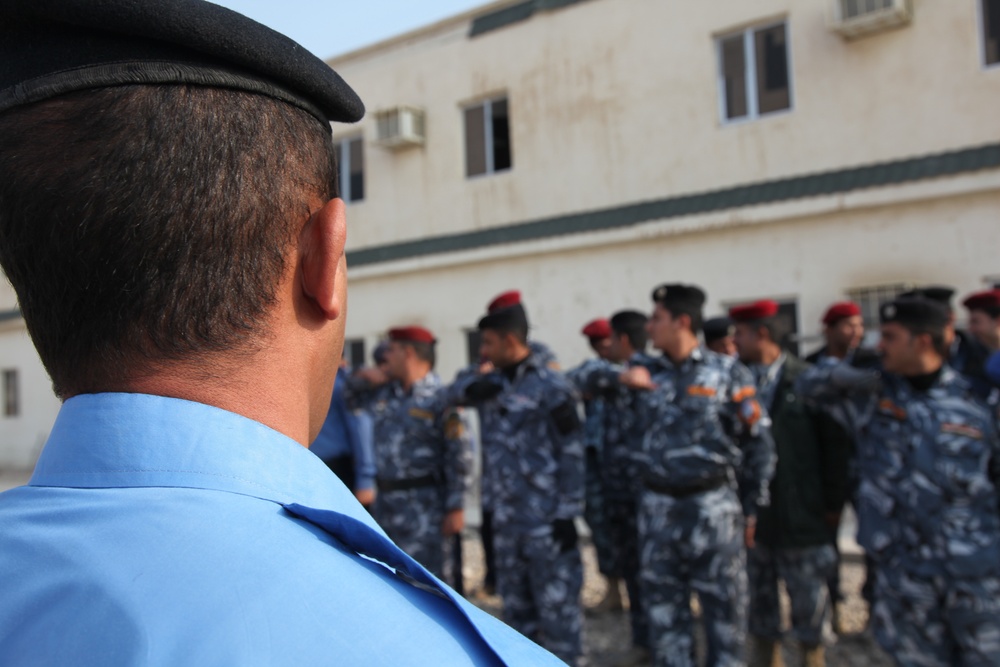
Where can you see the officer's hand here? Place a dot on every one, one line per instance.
(365, 496)
(486, 367)
(637, 377)
(483, 389)
(564, 534)
(750, 532)
(846, 376)
(865, 357)
(454, 522)
(372, 376)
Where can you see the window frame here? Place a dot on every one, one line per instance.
(489, 148)
(11, 393)
(750, 64)
(981, 20)
(344, 168)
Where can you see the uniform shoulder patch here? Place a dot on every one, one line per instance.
(417, 413)
(887, 407)
(454, 429)
(701, 390)
(962, 429)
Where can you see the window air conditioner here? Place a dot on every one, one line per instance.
(856, 18)
(399, 127)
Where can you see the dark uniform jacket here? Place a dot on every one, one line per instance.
(810, 479)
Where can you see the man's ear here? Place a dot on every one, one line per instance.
(323, 240)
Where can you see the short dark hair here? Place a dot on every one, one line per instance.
(632, 325)
(424, 351)
(777, 328)
(676, 309)
(143, 224)
(936, 334)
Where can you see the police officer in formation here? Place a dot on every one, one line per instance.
(533, 476)
(807, 493)
(421, 452)
(929, 458)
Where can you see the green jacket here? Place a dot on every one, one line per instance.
(810, 479)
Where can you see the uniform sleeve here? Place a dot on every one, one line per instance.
(754, 438)
(364, 453)
(849, 408)
(566, 432)
(458, 457)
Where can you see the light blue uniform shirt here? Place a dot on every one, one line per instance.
(157, 531)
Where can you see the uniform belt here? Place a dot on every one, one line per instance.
(710, 484)
(405, 484)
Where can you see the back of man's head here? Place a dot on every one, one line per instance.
(143, 224)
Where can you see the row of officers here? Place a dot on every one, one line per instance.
(718, 467)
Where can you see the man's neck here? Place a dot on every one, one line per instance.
(681, 349)
(414, 374)
(770, 354)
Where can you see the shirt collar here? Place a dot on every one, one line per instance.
(138, 440)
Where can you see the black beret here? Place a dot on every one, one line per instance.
(679, 294)
(921, 312)
(716, 328)
(53, 47)
(938, 293)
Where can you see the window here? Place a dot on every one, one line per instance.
(472, 338)
(754, 77)
(870, 300)
(354, 352)
(991, 31)
(487, 138)
(11, 394)
(351, 160)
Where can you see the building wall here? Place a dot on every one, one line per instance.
(22, 436)
(617, 101)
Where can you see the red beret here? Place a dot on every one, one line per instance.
(411, 335)
(505, 300)
(988, 300)
(599, 328)
(839, 311)
(759, 310)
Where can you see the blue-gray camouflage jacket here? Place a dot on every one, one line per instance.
(929, 464)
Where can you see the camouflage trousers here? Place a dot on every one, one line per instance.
(936, 621)
(595, 514)
(806, 573)
(540, 586)
(694, 545)
(412, 519)
(622, 521)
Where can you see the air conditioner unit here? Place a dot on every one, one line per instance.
(399, 127)
(856, 18)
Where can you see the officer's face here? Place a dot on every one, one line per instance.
(846, 334)
(984, 328)
(395, 360)
(492, 347)
(900, 349)
(747, 341)
(601, 346)
(616, 348)
(662, 328)
(725, 345)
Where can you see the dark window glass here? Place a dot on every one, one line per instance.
(475, 141)
(472, 345)
(734, 76)
(772, 70)
(354, 352)
(991, 31)
(501, 136)
(11, 394)
(788, 313)
(357, 178)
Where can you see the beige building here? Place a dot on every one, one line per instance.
(585, 151)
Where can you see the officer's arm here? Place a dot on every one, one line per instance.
(458, 457)
(754, 438)
(364, 453)
(845, 393)
(471, 387)
(566, 431)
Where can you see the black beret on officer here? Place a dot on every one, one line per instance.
(679, 294)
(921, 313)
(718, 327)
(939, 293)
(54, 47)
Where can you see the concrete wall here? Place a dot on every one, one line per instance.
(617, 101)
(22, 436)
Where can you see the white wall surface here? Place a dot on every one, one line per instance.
(22, 437)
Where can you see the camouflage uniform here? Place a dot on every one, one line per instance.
(533, 477)
(706, 457)
(619, 479)
(928, 513)
(422, 456)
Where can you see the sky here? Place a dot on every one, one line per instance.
(331, 27)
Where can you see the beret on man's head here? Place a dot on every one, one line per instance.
(716, 328)
(599, 328)
(920, 312)
(679, 294)
(987, 301)
(751, 312)
(939, 293)
(411, 335)
(840, 311)
(54, 47)
(504, 313)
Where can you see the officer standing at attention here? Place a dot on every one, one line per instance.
(422, 454)
(170, 222)
(843, 331)
(807, 493)
(533, 474)
(707, 457)
(929, 456)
